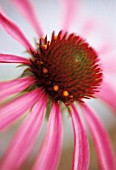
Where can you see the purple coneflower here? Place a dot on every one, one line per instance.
(63, 70)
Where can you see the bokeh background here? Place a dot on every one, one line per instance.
(103, 28)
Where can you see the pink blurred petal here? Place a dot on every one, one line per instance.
(81, 156)
(14, 109)
(101, 140)
(110, 67)
(13, 30)
(25, 138)
(88, 27)
(50, 151)
(7, 58)
(27, 8)
(105, 49)
(14, 86)
(68, 12)
(109, 64)
(108, 95)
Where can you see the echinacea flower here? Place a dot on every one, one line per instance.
(66, 70)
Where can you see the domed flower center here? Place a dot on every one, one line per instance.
(66, 67)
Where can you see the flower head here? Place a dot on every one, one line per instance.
(65, 69)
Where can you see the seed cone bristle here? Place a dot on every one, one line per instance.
(67, 68)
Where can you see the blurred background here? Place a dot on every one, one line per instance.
(102, 28)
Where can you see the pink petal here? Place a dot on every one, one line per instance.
(69, 9)
(7, 58)
(88, 27)
(50, 151)
(14, 86)
(105, 49)
(108, 95)
(101, 140)
(27, 8)
(14, 109)
(25, 138)
(81, 147)
(109, 65)
(14, 31)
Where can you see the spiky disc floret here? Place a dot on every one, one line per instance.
(67, 68)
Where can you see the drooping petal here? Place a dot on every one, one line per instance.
(50, 151)
(101, 140)
(108, 95)
(14, 109)
(69, 9)
(109, 65)
(81, 155)
(14, 86)
(27, 8)
(105, 49)
(88, 27)
(13, 30)
(7, 58)
(25, 138)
